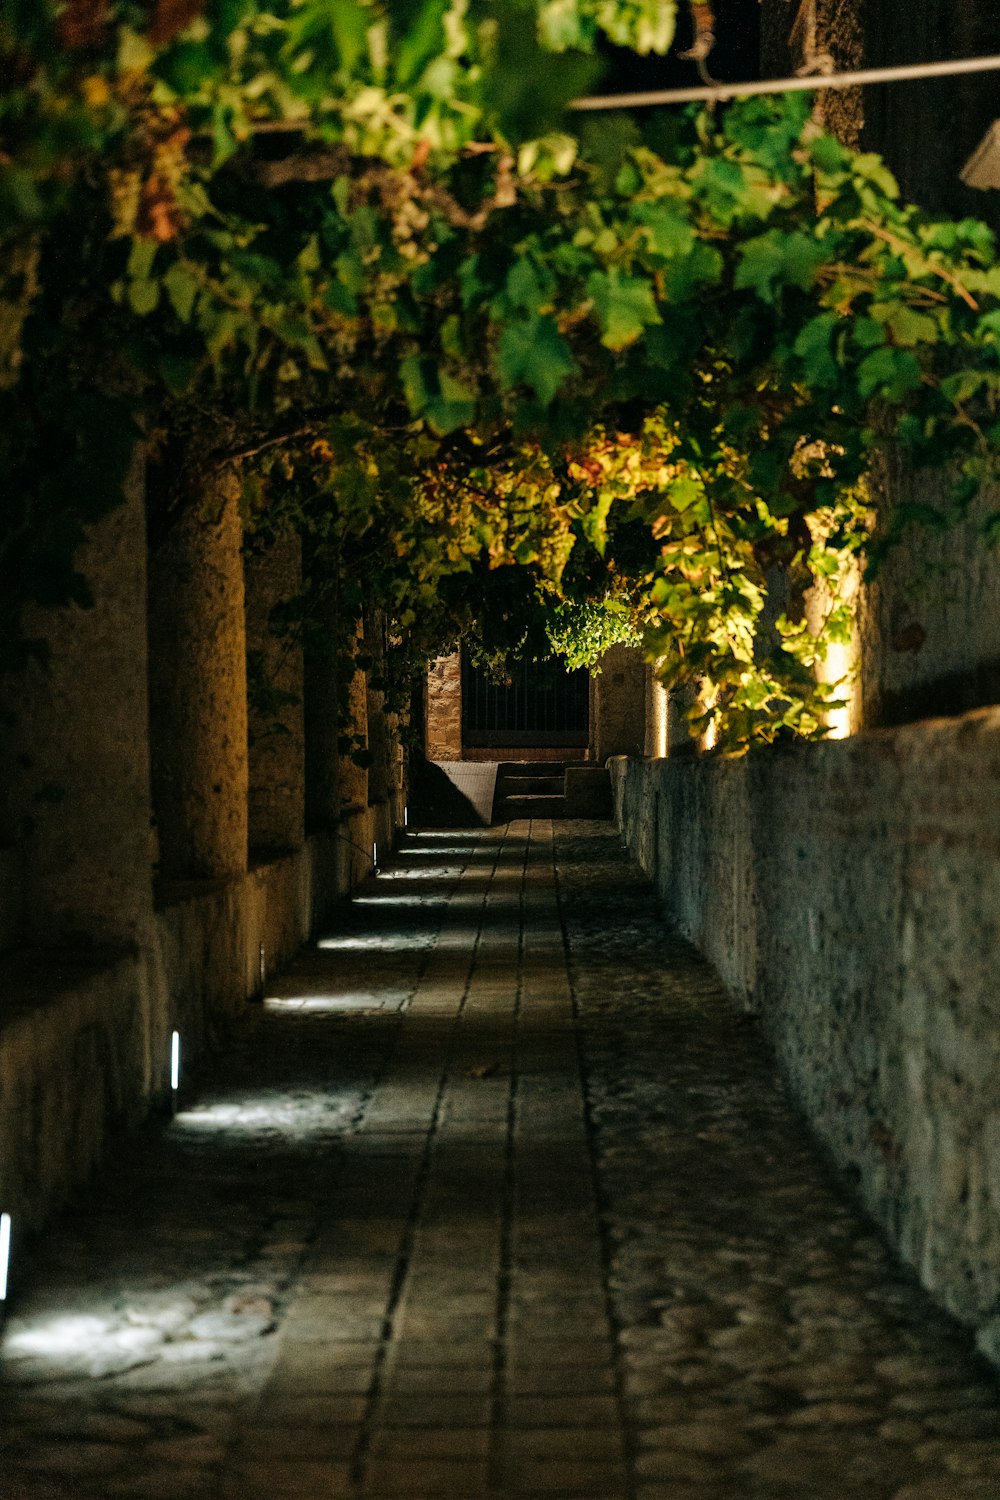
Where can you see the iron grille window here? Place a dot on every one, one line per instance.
(543, 704)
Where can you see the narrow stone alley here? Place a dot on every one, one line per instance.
(495, 1195)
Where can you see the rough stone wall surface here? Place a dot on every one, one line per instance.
(72, 1068)
(929, 623)
(78, 777)
(850, 893)
(352, 779)
(320, 710)
(277, 733)
(85, 1042)
(618, 704)
(443, 712)
(380, 770)
(197, 690)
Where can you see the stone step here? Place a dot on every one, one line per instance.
(530, 805)
(521, 786)
(519, 768)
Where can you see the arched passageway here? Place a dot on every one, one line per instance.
(496, 1196)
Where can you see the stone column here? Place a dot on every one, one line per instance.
(618, 705)
(378, 729)
(320, 698)
(680, 740)
(352, 779)
(443, 712)
(657, 716)
(78, 781)
(276, 720)
(197, 691)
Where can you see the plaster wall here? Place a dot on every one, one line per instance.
(849, 893)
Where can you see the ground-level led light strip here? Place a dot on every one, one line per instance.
(175, 1061)
(4, 1254)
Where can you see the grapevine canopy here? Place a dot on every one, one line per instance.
(604, 378)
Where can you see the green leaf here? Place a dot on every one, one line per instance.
(684, 492)
(523, 288)
(829, 155)
(907, 325)
(414, 388)
(177, 372)
(623, 304)
(671, 232)
(142, 253)
(777, 259)
(182, 289)
(452, 407)
(533, 352)
(893, 373)
(143, 297)
(814, 346)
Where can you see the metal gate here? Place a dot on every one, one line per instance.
(543, 704)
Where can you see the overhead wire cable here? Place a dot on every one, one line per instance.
(701, 93)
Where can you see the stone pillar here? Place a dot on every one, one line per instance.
(197, 691)
(352, 779)
(680, 740)
(443, 713)
(78, 782)
(618, 705)
(320, 701)
(276, 719)
(378, 729)
(657, 716)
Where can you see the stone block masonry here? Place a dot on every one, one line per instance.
(128, 906)
(444, 708)
(849, 893)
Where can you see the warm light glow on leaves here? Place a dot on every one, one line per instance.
(596, 383)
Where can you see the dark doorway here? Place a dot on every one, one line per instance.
(543, 704)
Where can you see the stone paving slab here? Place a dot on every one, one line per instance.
(496, 1198)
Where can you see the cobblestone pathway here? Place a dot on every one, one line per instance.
(393, 1249)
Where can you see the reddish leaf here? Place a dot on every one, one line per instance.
(83, 24)
(159, 216)
(170, 17)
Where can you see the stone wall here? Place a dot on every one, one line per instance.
(85, 1037)
(443, 709)
(103, 961)
(849, 893)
